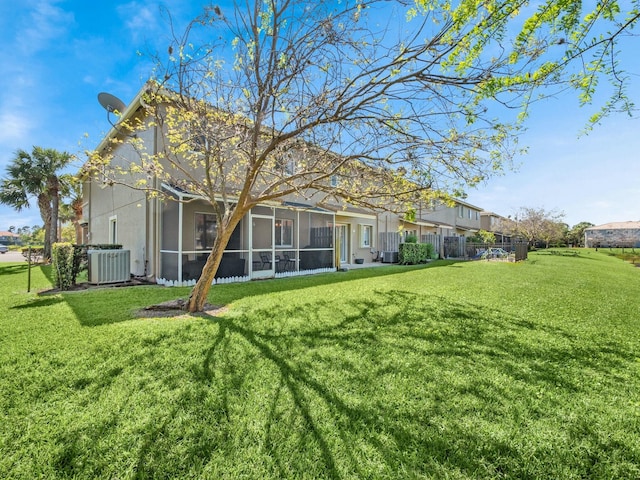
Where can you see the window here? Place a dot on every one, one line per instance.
(199, 137)
(460, 211)
(470, 214)
(206, 230)
(333, 180)
(366, 236)
(284, 232)
(286, 165)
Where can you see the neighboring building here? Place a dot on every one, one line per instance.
(445, 226)
(615, 234)
(496, 224)
(9, 238)
(461, 219)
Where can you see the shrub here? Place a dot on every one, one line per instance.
(62, 262)
(431, 251)
(411, 239)
(414, 253)
(37, 253)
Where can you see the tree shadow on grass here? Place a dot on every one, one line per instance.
(39, 302)
(392, 386)
(95, 307)
(13, 268)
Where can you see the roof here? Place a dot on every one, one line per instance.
(468, 205)
(348, 211)
(616, 226)
(305, 206)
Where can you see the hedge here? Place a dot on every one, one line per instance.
(62, 262)
(414, 253)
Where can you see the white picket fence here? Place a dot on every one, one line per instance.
(244, 278)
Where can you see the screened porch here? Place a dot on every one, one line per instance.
(271, 241)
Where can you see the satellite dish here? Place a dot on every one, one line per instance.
(111, 103)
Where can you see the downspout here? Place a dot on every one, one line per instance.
(180, 218)
(155, 231)
(87, 238)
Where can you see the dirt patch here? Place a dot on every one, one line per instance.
(175, 308)
(169, 309)
(80, 287)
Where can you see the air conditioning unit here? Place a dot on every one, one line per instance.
(109, 266)
(389, 257)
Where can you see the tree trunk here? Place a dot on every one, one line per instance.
(198, 296)
(76, 206)
(54, 197)
(45, 213)
(199, 293)
(78, 231)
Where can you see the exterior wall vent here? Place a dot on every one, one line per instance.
(109, 266)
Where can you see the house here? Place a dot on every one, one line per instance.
(496, 224)
(615, 234)
(9, 238)
(169, 236)
(446, 226)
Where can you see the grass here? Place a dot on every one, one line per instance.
(455, 370)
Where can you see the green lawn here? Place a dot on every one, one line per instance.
(455, 370)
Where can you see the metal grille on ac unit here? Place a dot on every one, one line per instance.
(109, 266)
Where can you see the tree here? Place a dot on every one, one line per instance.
(71, 210)
(36, 175)
(377, 104)
(538, 225)
(575, 236)
(553, 232)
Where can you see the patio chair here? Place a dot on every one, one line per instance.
(266, 261)
(287, 262)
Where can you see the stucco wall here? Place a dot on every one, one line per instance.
(127, 207)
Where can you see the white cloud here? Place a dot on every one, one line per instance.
(140, 18)
(46, 22)
(14, 127)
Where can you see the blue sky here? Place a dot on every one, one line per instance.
(59, 54)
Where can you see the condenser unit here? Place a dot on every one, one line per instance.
(109, 266)
(389, 257)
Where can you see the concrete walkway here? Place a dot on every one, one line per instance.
(355, 266)
(12, 257)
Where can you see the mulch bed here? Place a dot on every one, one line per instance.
(175, 308)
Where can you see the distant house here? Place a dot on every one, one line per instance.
(496, 224)
(616, 234)
(9, 238)
(443, 225)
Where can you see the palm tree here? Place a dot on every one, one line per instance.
(36, 175)
(71, 211)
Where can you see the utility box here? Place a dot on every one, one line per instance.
(389, 257)
(109, 266)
